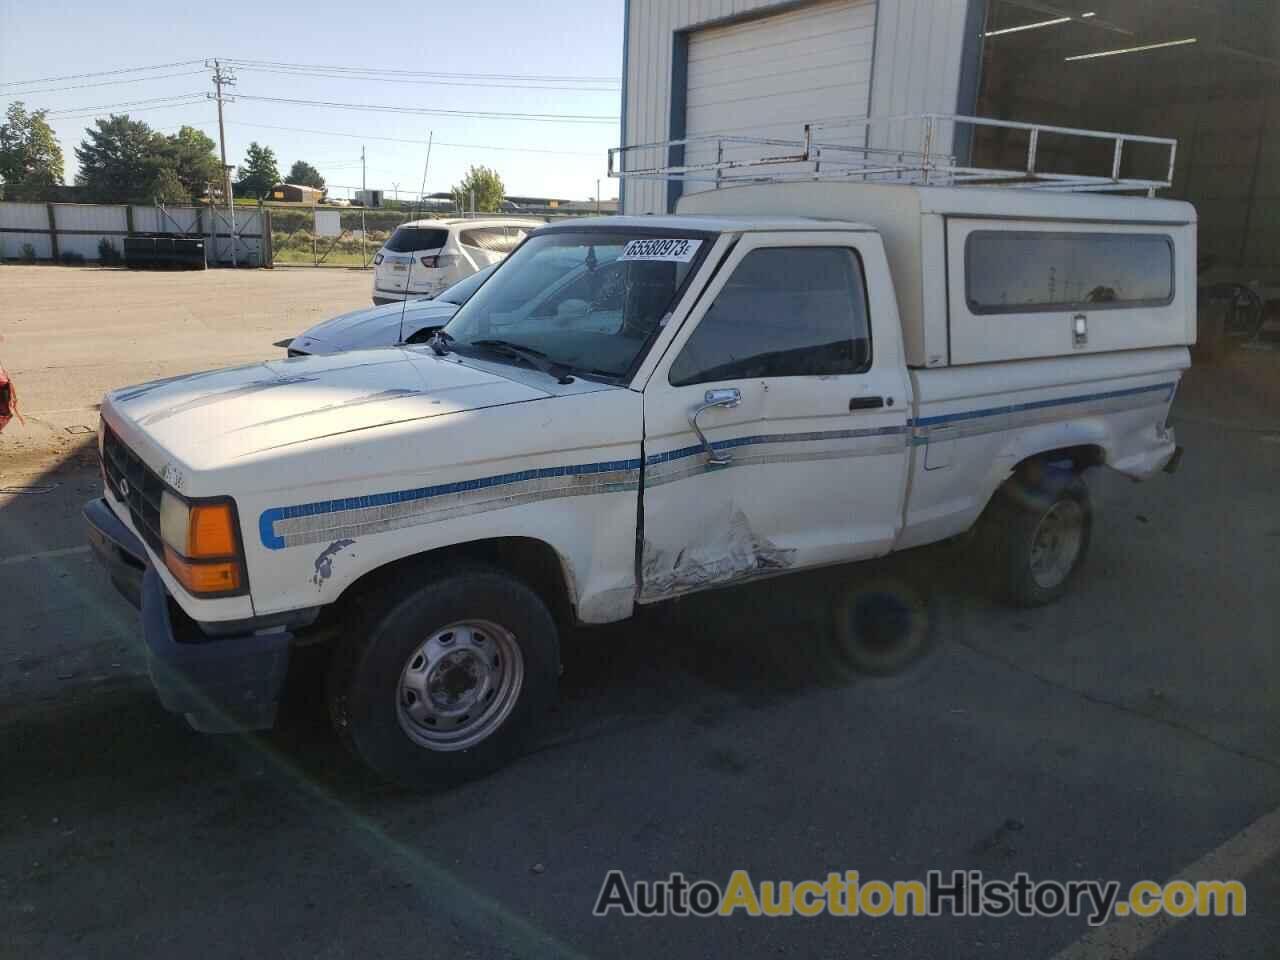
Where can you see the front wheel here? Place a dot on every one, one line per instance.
(1039, 525)
(447, 684)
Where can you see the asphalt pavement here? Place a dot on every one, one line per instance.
(1124, 733)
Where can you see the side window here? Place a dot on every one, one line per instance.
(493, 239)
(785, 312)
(1033, 271)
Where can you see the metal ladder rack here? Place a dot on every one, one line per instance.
(740, 159)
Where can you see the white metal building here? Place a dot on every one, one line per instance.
(763, 68)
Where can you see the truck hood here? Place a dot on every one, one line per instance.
(374, 326)
(207, 420)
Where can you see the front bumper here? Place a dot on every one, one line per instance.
(220, 681)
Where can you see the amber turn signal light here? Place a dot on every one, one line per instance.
(203, 578)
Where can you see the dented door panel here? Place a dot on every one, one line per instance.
(813, 465)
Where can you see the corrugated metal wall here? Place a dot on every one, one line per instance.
(22, 224)
(918, 53)
(919, 49)
(78, 228)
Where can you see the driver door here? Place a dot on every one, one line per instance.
(776, 423)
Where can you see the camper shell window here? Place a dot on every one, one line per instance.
(1034, 271)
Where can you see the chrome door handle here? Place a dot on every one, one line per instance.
(724, 397)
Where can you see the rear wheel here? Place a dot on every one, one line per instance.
(447, 684)
(1038, 527)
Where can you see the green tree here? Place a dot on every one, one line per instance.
(190, 155)
(258, 173)
(487, 186)
(118, 160)
(165, 186)
(30, 157)
(306, 175)
(125, 160)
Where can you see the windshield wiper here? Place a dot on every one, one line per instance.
(439, 343)
(535, 358)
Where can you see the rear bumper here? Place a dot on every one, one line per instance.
(1165, 455)
(220, 683)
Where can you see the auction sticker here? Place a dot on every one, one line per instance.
(661, 248)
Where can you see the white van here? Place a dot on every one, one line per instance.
(423, 257)
(779, 377)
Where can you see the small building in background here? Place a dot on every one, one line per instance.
(295, 193)
(368, 198)
(602, 207)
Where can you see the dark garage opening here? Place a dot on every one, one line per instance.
(1209, 76)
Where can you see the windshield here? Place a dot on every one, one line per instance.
(461, 291)
(589, 300)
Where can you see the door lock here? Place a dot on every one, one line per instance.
(1079, 330)
(724, 397)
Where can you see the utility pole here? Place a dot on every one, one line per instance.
(364, 200)
(395, 188)
(224, 79)
(597, 196)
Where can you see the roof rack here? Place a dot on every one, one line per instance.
(725, 159)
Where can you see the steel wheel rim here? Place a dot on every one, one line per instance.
(1056, 543)
(459, 685)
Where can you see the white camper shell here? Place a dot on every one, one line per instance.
(940, 239)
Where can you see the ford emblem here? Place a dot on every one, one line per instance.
(124, 487)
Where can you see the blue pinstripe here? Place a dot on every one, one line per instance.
(270, 516)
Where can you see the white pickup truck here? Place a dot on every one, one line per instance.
(779, 377)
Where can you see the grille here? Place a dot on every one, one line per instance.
(124, 469)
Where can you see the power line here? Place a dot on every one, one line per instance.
(378, 78)
(194, 124)
(424, 111)
(427, 73)
(107, 83)
(101, 73)
(416, 143)
(128, 103)
(93, 114)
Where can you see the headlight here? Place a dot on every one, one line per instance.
(201, 544)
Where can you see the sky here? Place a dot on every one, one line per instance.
(509, 41)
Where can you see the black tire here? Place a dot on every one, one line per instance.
(1016, 524)
(365, 679)
(1246, 315)
(883, 626)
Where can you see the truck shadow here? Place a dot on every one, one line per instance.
(747, 647)
(99, 737)
(110, 744)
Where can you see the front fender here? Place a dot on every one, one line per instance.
(563, 472)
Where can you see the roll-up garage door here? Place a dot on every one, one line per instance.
(767, 77)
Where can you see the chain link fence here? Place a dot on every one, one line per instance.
(295, 240)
